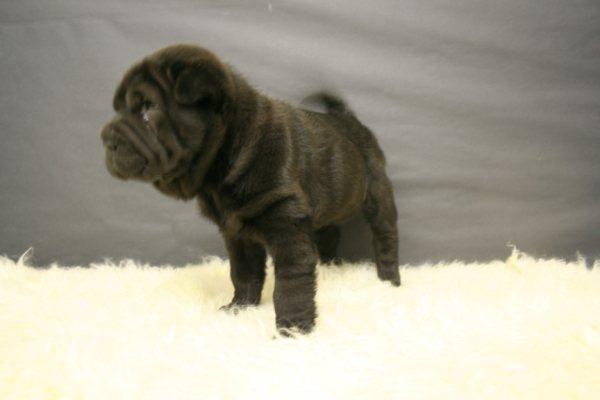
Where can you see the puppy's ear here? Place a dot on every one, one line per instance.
(204, 85)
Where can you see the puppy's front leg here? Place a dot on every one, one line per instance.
(247, 269)
(295, 259)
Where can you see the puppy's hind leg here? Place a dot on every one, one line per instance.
(327, 240)
(380, 211)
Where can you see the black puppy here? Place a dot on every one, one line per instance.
(273, 177)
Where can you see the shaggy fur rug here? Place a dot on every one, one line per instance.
(516, 329)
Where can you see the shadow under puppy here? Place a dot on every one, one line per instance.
(273, 177)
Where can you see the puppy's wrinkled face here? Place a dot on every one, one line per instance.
(166, 107)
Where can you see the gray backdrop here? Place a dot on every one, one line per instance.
(489, 112)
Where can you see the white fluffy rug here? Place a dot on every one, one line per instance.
(517, 329)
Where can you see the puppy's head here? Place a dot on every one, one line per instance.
(170, 107)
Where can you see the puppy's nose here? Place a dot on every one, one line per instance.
(108, 138)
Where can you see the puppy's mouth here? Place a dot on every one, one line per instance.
(124, 164)
(129, 157)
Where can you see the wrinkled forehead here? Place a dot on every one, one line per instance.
(143, 81)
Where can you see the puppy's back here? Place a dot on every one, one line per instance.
(344, 121)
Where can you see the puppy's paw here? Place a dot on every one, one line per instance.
(231, 308)
(390, 275)
(292, 329)
(236, 306)
(395, 281)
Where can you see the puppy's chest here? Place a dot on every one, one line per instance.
(219, 207)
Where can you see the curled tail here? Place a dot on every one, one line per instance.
(332, 103)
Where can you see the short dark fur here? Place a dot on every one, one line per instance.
(273, 177)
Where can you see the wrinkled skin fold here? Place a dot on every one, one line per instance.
(274, 178)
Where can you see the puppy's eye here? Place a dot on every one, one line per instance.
(145, 105)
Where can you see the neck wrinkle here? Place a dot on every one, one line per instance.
(240, 137)
(230, 148)
(225, 139)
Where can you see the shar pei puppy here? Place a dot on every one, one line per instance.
(276, 179)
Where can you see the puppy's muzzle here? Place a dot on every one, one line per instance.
(108, 138)
(126, 154)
